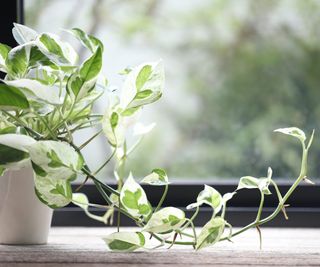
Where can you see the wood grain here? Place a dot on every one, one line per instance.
(84, 247)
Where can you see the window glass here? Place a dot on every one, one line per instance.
(235, 71)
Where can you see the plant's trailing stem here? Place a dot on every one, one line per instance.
(165, 192)
(89, 140)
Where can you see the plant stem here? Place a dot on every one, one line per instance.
(260, 207)
(285, 198)
(106, 162)
(89, 140)
(162, 198)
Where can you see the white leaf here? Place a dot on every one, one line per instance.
(23, 34)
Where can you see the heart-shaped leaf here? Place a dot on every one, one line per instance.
(134, 199)
(165, 220)
(55, 193)
(209, 196)
(58, 160)
(125, 241)
(56, 50)
(211, 233)
(87, 40)
(143, 85)
(262, 184)
(158, 177)
(23, 34)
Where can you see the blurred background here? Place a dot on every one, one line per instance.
(235, 71)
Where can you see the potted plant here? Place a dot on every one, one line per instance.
(46, 96)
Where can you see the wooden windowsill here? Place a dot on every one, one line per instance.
(84, 247)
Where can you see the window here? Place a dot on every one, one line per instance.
(236, 70)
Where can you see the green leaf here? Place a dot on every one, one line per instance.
(17, 61)
(143, 85)
(23, 34)
(209, 196)
(87, 40)
(125, 241)
(158, 177)
(58, 159)
(34, 89)
(11, 98)
(165, 220)
(55, 193)
(262, 184)
(293, 131)
(134, 199)
(91, 68)
(57, 51)
(4, 50)
(83, 82)
(211, 233)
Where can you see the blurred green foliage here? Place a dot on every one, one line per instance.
(248, 67)
(253, 66)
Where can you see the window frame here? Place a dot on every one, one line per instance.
(304, 210)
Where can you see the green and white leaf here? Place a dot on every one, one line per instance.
(34, 89)
(17, 61)
(209, 196)
(23, 34)
(250, 182)
(17, 141)
(158, 177)
(134, 199)
(114, 128)
(87, 40)
(125, 241)
(143, 85)
(165, 220)
(4, 50)
(84, 81)
(55, 193)
(12, 99)
(211, 233)
(58, 160)
(293, 131)
(13, 154)
(61, 53)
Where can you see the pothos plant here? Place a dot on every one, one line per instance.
(47, 95)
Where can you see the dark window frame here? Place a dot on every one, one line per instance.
(304, 210)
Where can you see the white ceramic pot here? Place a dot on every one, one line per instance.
(23, 218)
